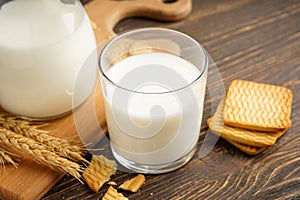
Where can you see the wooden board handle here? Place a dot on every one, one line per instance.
(105, 14)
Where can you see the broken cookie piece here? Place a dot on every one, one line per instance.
(99, 171)
(112, 194)
(133, 184)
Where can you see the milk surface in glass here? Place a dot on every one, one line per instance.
(153, 139)
(43, 45)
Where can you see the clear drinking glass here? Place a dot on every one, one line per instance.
(43, 46)
(153, 83)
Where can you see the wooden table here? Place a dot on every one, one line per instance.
(248, 39)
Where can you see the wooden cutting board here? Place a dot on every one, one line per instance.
(31, 180)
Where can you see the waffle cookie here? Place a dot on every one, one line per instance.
(240, 135)
(259, 107)
(252, 116)
(251, 150)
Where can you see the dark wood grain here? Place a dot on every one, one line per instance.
(248, 39)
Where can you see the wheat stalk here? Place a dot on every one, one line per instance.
(5, 158)
(39, 152)
(58, 145)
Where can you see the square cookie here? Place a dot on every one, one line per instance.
(240, 135)
(257, 106)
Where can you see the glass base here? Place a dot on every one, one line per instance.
(44, 118)
(38, 119)
(154, 169)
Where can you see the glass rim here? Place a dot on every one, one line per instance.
(202, 73)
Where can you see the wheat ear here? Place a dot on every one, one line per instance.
(61, 146)
(5, 158)
(40, 154)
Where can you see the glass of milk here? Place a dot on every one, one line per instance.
(43, 46)
(153, 82)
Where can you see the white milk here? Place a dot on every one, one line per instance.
(43, 46)
(157, 139)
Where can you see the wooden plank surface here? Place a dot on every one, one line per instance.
(248, 39)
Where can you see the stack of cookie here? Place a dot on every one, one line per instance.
(252, 116)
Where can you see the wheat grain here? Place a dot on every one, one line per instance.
(5, 158)
(29, 129)
(40, 154)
